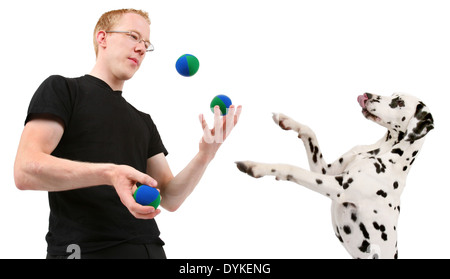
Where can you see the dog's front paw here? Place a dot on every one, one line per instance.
(248, 167)
(287, 123)
(282, 121)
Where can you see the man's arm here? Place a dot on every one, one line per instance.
(175, 190)
(36, 169)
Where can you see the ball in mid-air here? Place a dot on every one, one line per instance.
(148, 196)
(187, 65)
(223, 102)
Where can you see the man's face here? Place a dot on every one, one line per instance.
(124, 56)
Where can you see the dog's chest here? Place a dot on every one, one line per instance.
(371, 165)
(372, 177)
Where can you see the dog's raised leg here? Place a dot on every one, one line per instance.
(314, 154)
(326, 185)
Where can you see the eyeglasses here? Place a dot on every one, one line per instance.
(136, 38)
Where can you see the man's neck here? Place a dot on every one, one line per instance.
(114, 83)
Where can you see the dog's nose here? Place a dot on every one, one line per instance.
(362, 100)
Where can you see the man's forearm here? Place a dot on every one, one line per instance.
(181, 186)
(48, 173)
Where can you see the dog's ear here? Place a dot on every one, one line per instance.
(421, 123)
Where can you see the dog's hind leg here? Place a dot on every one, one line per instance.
(326, 185)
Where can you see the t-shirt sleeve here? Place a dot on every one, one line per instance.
(52, 97)
(156, 144)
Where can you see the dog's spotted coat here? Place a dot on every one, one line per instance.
(364, 184)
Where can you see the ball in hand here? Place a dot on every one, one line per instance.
(223, 102)
(147, 196)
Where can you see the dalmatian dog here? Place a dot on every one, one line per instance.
(365, 183)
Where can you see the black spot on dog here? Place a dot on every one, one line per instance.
(405, 168)
(353, 217)
(397, 151)
(376, 226)
(415, 153)
(364, 231)
(382, 193)
(324, 171)
(341, 160)
(388, 136)
(316, 150)
(364, 246)
(318, 181)
(347, 184)
(374, 152)
(395, 185)
(381, 228)
(401, 135)
(347, 230)
(397, 102)
(341, 182)
(289, 177)
(377, 167)
(380, 166)
(311, 146)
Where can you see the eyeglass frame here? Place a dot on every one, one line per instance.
(150, 48)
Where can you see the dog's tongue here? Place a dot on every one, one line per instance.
(362, 100)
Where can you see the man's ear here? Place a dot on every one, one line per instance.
(101, 38)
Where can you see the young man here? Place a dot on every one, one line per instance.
(80, 133)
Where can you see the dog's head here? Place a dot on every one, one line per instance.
(401, 113)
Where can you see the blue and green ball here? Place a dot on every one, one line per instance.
(147, 196)
(223, 102)
(187, 65)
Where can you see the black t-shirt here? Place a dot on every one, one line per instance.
(100, 126)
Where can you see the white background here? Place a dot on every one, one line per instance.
(307, 59)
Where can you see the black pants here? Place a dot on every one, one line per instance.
(123, 251)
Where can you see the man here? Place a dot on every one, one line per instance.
(80, 133)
